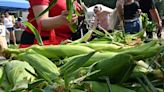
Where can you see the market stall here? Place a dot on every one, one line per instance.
(14, 5)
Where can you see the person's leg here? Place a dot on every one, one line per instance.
(8, 37)
(136, 26)
(132, 27)
(128, 27)
(12, 35)
(13, 38)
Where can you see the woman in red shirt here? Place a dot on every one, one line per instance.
(52, 26)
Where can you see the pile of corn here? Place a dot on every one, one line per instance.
(111, 62)
(83, 67)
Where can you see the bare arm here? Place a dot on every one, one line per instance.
(155, 16)
(120, 8)
(47, 22)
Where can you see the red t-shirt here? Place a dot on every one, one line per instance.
(58, 34)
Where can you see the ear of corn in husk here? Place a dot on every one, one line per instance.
(43, 66)
(17, 74)
(121, 64)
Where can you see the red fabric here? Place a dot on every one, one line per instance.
(58, 34)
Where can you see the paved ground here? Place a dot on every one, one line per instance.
(155, 36)
(163, 33)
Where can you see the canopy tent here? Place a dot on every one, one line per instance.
(14, 5)
(104, 8)
(90, 11)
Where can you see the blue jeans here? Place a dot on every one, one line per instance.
(132, 27)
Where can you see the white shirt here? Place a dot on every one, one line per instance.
(8, 22)
(2, 30)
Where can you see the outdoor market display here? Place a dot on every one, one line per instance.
(97, 62)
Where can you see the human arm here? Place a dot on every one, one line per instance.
(47, 22)
(155, 16)
(157, 20)
(120, 8)
(13, 19)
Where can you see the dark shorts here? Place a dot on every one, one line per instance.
(10, 29)
(132, 27)
(28, 38)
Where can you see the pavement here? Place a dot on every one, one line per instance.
(155, 35)
(163, 33)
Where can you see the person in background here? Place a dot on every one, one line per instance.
(9, 24)
(101, 20)
(3, 31)
(148, 6)
(131, 17)
(7, 32)
(53, 26)
(128, 12)
(19, 24)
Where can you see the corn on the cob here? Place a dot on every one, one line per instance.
(144, 51)
(152, 51)
(103, 47)
(43, 66)
(17, 74)
(52, 51)
(1, 72)
(95, 58)
(61, 51)
(85, 38)
(121, 64)
(76, 63)
(141, 48)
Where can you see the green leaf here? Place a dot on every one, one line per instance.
(76, 63)
(35, 83)
(46, 10)
(71, 10)
(85, 38)
(37, 90)
(73, 27)
(35, 31)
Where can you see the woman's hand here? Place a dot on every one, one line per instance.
(78, 7)
(64, 17)
(74, 19)
(159, 30)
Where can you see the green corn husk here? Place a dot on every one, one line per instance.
(52, 51)
(144, 51)
(61, 51)
(85, 38)
(43, 66)
(70, 8)
(1, 72)
(95, 58)
(76, 63)
(35, 31)
(76, 90)
(103, 47)
(17, 74)
(121, 64)
(153, 51)
(103, 87)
